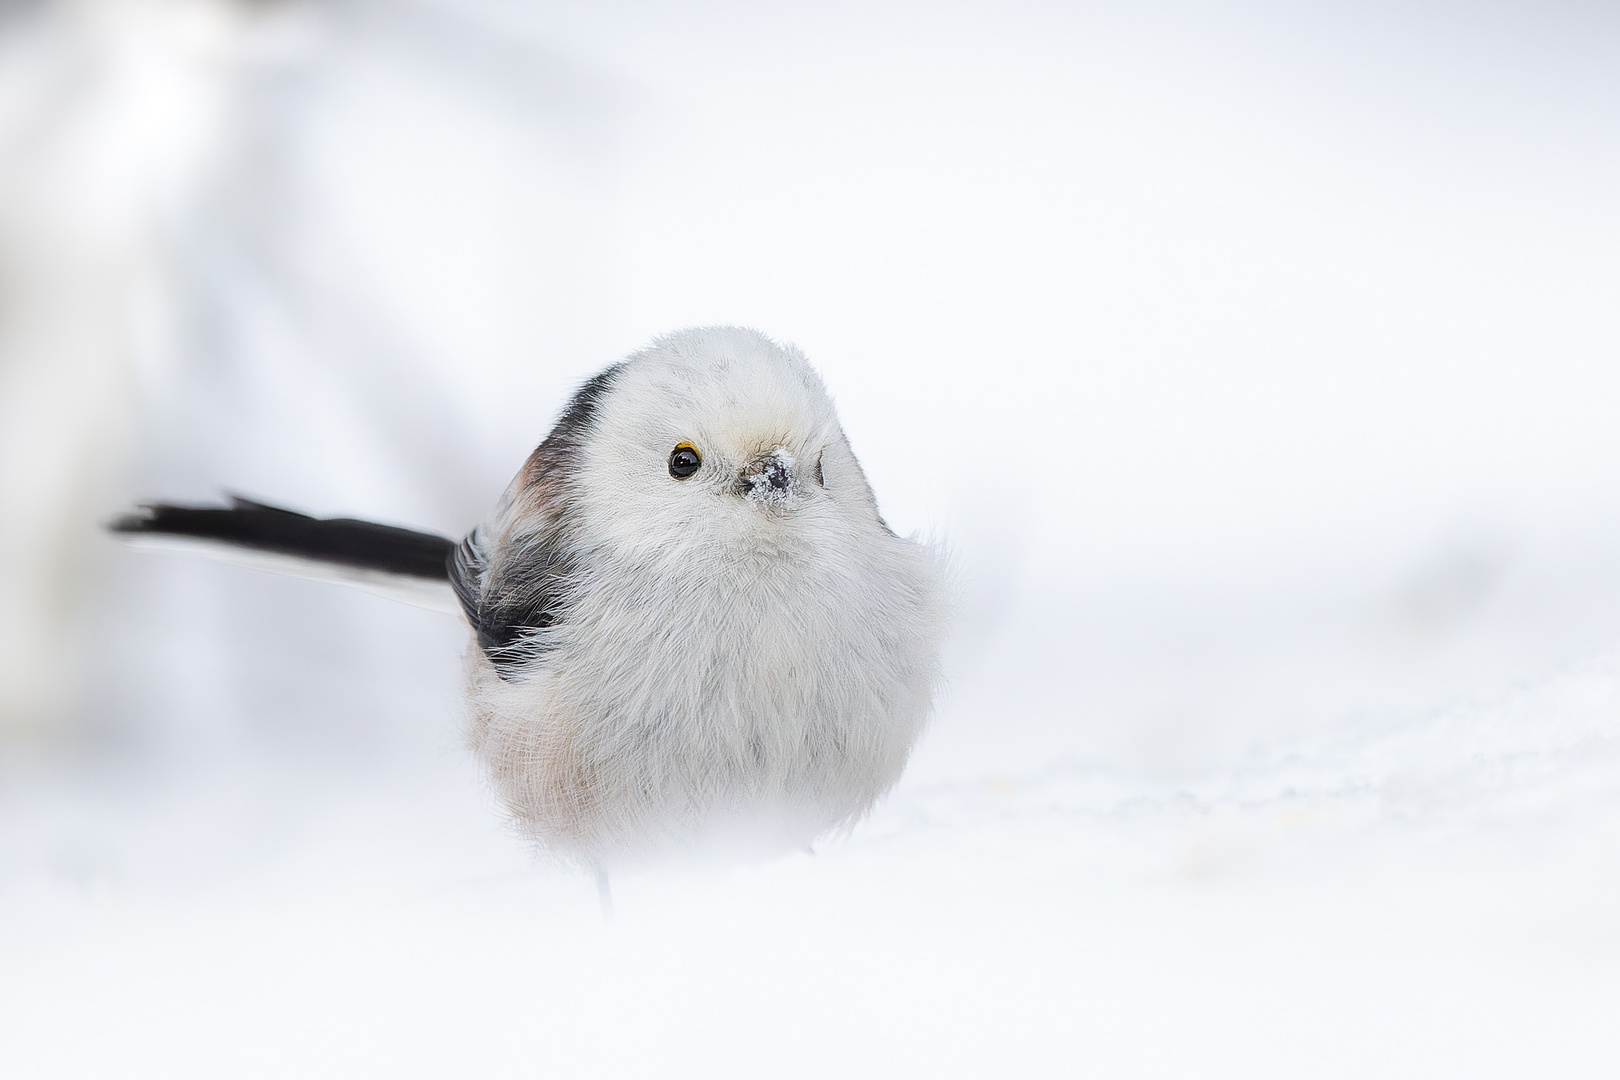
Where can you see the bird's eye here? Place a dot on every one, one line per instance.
(684, 461)
(820, 479)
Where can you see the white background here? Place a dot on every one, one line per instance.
(1259, 364)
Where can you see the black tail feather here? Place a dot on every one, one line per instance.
(362, 545)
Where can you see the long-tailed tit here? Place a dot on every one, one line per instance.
(692, 629)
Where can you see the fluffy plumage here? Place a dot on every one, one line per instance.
(723, 650)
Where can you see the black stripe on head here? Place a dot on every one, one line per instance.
(573, 427)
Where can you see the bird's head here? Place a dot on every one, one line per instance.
(707, 435)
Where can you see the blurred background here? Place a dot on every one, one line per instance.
(1258, 363)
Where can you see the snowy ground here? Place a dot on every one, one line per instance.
(1430, 894)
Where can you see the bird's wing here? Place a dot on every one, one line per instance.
(515, 595)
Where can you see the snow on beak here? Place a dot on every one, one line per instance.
(770, 480)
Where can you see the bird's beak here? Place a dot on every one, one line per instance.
(771, 479)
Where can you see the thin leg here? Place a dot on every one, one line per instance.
(604, 893)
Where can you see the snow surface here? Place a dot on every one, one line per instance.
(1405, 898)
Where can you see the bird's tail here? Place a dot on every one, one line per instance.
(400, 563)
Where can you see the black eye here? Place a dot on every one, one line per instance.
(820, 479)
(684, 461)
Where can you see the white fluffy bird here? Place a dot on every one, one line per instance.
(693, 632)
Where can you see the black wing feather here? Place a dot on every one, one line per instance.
(512, 590)
(506, 610)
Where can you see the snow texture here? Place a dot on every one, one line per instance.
(1434, 897)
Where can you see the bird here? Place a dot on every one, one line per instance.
(692, 633)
